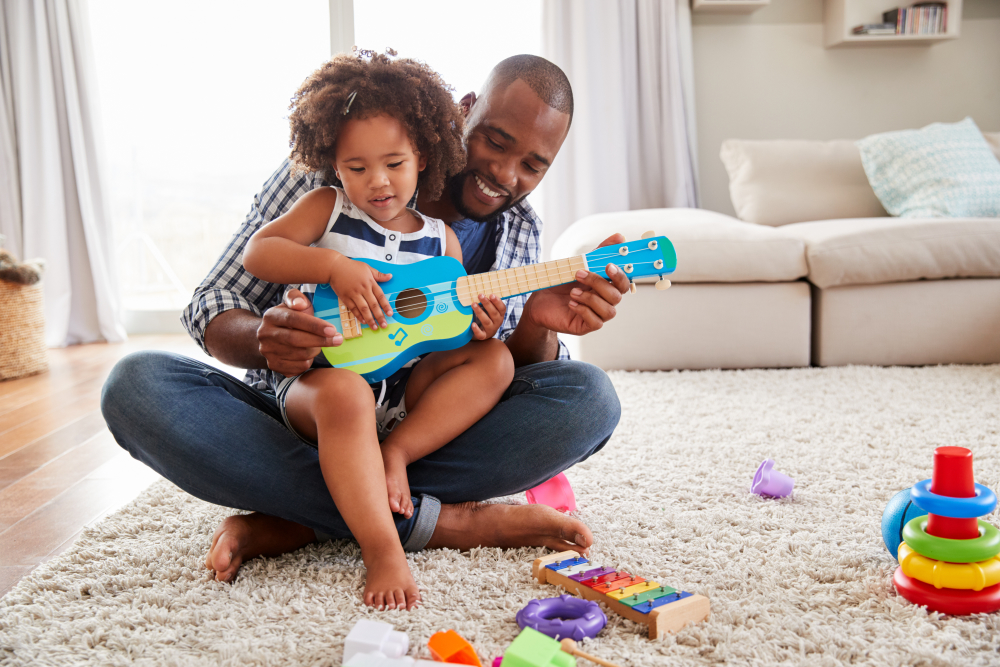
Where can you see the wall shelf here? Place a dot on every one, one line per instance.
(840, 17)
(727, 6)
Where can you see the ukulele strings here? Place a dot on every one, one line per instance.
(548, 274)
(404, 303)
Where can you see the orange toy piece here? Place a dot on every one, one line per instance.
(449, 646)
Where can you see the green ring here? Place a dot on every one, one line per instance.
(984, 547)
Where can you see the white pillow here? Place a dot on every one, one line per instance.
(788, 180)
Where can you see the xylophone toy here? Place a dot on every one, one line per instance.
(662, 608)
(948, 559)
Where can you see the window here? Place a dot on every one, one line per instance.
(460, 39)
(194, 111)
(193, 108)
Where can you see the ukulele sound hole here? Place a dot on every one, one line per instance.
(411, 303)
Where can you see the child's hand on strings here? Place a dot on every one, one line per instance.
(356, 285)
(489, 311)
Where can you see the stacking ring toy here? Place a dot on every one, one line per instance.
(940, 574)
(956, 602)
(564, 616)
(984, 547)
(984, 502)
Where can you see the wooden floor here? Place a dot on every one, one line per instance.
(60, 469)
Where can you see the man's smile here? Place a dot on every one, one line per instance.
(489, 192)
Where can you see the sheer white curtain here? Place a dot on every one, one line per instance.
(55, 207)
(632, 143)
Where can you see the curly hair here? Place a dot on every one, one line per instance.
(367, 84)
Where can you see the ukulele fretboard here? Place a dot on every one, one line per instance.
(519, 280)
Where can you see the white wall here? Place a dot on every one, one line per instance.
(767, 76)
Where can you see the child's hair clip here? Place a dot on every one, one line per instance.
(350, 100)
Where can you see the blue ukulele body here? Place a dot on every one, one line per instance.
(427, 317)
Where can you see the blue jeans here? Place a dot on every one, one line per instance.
(224, 442)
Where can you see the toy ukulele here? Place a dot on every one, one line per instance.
(432, 301)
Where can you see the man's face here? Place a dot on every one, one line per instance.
(512, 137)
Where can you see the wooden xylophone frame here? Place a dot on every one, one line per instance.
(668, 618)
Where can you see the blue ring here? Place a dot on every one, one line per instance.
(984, 502)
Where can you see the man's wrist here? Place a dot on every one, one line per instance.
(231, 337)
(531, 343)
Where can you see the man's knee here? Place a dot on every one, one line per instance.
(597, 395)
(128, 396)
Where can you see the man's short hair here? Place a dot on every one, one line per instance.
(544, 77)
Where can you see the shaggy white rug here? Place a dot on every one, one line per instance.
(803, 580)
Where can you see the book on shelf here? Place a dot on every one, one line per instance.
(922, 18)
(875, 29)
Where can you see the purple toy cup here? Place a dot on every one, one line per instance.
(769, 482)
(497, 660)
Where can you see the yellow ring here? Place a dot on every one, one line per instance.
(939, 574)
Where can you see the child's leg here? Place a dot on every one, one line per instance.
(336, 408)
(447, 393)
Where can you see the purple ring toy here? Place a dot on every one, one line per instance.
(564, 616)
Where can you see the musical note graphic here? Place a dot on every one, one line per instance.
(401, 338)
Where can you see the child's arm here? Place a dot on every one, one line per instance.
(279, 252)
(452, 248)
(490, 311)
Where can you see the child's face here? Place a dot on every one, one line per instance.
(378, 166)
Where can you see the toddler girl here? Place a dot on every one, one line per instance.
(383, 126)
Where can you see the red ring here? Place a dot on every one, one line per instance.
(947, 600)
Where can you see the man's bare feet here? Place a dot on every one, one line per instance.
(470, 525)
(395, 462)
(245, 536)
(388, 582)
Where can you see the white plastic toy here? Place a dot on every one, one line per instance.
(379, 660)
(377, 640)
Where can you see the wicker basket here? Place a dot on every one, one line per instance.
(22, 331)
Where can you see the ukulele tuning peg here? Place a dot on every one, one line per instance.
(631, 287)
(648, 235)
(662, 284)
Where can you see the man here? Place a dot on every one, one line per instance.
(223, 440)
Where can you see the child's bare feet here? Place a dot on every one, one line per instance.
(395, 461)
(389, 583)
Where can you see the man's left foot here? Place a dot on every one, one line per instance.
(245, 536)
(468, 525)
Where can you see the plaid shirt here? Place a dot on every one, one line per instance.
(228, 285)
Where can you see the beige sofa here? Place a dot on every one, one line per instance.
(813, 271)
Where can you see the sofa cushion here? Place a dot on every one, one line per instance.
(711, 247)
(942, 170)
(784, 181)
(865, 251)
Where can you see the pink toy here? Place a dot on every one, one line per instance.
(769, 482)
(555, 493)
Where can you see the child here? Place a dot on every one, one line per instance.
(383, 127)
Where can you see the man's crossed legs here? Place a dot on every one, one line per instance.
(225, 443)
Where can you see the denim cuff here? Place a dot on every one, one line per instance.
(424, 524)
